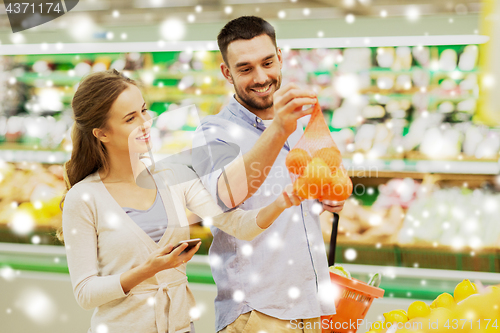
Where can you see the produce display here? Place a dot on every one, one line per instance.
(30, 194)
(455, 217)
(472, 308)
(377, 101)
(393, 103)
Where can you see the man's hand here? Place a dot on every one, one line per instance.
(333, 206)
(288, 103)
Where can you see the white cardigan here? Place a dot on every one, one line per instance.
(102, 242)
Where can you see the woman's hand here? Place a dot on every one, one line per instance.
(288, 198)
(269, 214)
(166, 258)
(159, 260)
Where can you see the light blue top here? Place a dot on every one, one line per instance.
(283, 272)
(153, 220)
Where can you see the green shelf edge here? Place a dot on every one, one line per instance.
(202, 274)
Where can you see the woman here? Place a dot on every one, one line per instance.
(119, 249)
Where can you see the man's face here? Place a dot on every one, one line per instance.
(254, 70)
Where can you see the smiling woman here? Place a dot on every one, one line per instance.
(120, 236)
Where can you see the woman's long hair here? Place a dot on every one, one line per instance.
(91, 104)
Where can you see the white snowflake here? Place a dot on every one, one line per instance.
(113, 220)
(35, 239)
(102, 328)
(37, 306)
(195, 313)
(350, 254)
(22, 223)
(238, 296)
(85, 196)
(247, 250)
(215, 261)
(7, 273)
(294, 292)
(274, 241)
(328, 292)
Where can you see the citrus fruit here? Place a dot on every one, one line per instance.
(418, 309)
(330, 155)
(340, 187)
(433, 305)
(316, 175)
(396, 316)
(464, 289)
(340, 270)
(377, 326)
(305, 190)
(440, 315)
(296, 160)
(444, 300)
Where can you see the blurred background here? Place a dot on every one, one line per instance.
(409, 89)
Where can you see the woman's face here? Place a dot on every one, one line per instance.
(129, 124)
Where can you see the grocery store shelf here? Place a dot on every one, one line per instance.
(360, 168)
(372, 166)
(295, 43)
(41, 156)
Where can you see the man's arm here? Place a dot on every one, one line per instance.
(253, 167)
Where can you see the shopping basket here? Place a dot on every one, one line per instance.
(353, 299)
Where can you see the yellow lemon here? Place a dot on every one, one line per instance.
(396, 316)
(418, 309)
(445, 300)
(433, 304)
(377, 326)
(464, 289)
(440, 315)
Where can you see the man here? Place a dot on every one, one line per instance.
(279, 281)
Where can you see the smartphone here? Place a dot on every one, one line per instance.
(191, 243)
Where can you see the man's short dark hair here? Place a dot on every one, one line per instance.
(244, 27)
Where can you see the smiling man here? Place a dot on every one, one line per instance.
(281, 275)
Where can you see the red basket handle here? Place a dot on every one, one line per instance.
(333, 240)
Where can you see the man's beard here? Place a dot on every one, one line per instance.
(258, 103)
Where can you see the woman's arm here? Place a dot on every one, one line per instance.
(161, 259)
(80, 238)
(269, 214)
(244, 225)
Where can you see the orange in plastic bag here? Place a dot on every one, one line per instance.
(315, 163)
(297, 160)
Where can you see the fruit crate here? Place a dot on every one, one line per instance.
(441, 257)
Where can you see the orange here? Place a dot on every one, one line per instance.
(330, 156)
(314, 177)
(317, 173)
(340, 188)
(297, 160)
(306, 190)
